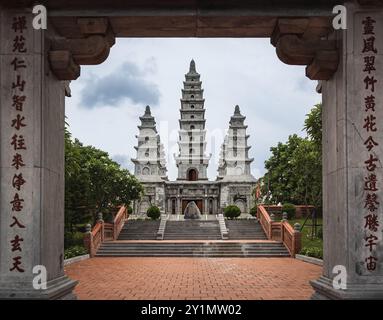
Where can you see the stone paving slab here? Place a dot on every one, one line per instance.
(193, 278)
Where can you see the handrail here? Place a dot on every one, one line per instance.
(119, 221)
(104, 231)
(264, 220)
(280, 230)
(94, 238)
(291, 238)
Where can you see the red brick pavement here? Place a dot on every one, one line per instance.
(193, 278)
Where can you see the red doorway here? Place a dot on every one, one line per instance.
(192, 175)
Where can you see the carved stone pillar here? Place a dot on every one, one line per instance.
(352, 155)
(31, 163)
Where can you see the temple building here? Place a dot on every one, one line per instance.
(234, 183)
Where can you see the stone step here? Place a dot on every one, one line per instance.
(220, 249)
(244, 229)
(139, 230)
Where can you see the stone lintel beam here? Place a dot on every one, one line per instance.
(90, 48)
(370, 2)
(303, 42)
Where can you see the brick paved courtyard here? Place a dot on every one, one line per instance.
(193, 278)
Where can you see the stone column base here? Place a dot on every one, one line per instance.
(58, 289)
(324, 290)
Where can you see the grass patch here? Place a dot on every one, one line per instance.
(74, 252)
(310, 247)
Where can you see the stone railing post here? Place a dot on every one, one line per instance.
(284, 216)
(88, 240)
(296, 245)
(101, 220)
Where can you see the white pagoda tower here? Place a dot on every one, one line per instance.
(234, 161)
(191, 161)
(149, 164)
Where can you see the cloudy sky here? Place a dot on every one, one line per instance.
(108, 99)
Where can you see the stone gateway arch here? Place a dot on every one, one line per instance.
(36, 65)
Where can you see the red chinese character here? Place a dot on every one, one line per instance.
(370, 82)
(368, 25)
(369, 64)
(18, 181)
(371, 241)
(371, 202)
(17, 64)
(17, 203)
(369, 103)
(16, 243)
(16, 265)
(19, 44)
(18, 102)
(18, 122)
(17, 161)
(371, 166)
(370, 183)
(19, 24)
(18, 142)
(370, 143)
(16, 223)
(19, 84)
(372, 222)
(369, 45)
(369, 123)
(371, 263)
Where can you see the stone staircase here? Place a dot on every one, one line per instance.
(192, 230)
(139, 230)
(196, 249)
(245, 230)
(205, 234)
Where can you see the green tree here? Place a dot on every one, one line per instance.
(94, 183)
(294, 170)
(313, 126)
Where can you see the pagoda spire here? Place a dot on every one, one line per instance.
(192, 68)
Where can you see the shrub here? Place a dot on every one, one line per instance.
(74, 252)
(290, 210)
(73, 239)
(232, 212)
(153, 212)
(253, 211)
(312, 252)
(130, 210)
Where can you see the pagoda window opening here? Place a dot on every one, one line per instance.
(192, 175)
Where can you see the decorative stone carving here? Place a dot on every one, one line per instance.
(192, 211)
(303, 42)
(67, 54)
